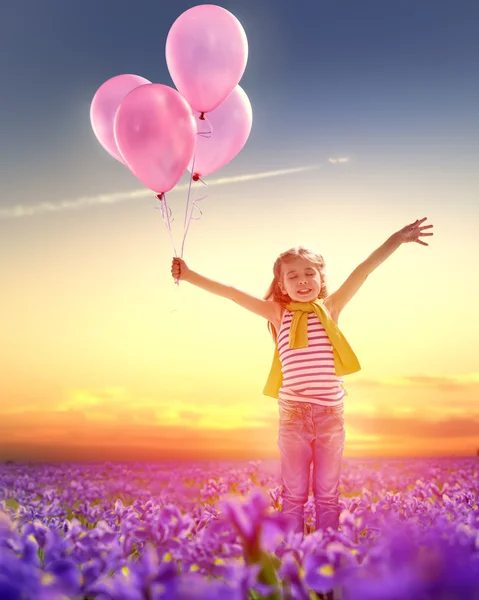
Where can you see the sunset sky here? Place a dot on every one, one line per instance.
(103, 357)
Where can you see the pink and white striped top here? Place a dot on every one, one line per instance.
(308, 373)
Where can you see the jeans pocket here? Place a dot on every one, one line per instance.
(287, 414)
(338, 413)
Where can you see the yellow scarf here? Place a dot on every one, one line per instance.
(345, 361)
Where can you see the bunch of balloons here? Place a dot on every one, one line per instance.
(155, 130)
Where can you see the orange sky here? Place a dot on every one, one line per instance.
(95, 365)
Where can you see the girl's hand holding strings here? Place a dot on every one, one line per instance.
(179, 270)
(412, 232)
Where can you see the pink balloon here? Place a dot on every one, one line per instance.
(231, 125)
(104, 106)
(206, 54)
(155, 130)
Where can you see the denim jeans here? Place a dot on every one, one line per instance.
(310, 433)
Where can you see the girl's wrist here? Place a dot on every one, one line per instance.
(397, 237)
(187, 276)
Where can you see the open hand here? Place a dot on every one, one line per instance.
(179, 270)
(414, 231)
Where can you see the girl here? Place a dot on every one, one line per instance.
(311, 355)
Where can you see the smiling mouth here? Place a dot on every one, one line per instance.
(304, 292)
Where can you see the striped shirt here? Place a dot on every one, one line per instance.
(308, 373)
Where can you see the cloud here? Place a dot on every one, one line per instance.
(118, 405)
(449, 383)
(194, 432)
(159, 445)
(415, 427)
(22, 210)
(416, 414)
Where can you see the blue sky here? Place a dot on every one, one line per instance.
(394, 83)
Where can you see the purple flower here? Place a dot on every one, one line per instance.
(292, 580)
(257, 527)
(65, 577)
(320, 574)
(18, 579)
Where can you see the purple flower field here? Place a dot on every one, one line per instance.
(154, 531)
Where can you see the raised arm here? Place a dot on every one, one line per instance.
(410, 233)
(265, 308)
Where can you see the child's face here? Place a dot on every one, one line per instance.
(300, 279)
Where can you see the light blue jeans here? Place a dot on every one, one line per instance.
(310, 433)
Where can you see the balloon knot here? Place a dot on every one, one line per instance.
(160, 196)
(196, 177)
(202, 117)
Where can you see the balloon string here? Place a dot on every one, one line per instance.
(206, 134)
(188, 200)
(194, 177)
(166, 214)
(166, 210)
(191, 218)
(168, 222)
(187, 220)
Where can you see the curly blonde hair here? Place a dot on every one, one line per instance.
(274, 292)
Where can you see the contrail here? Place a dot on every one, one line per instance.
(22, 210)
(338, 160)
